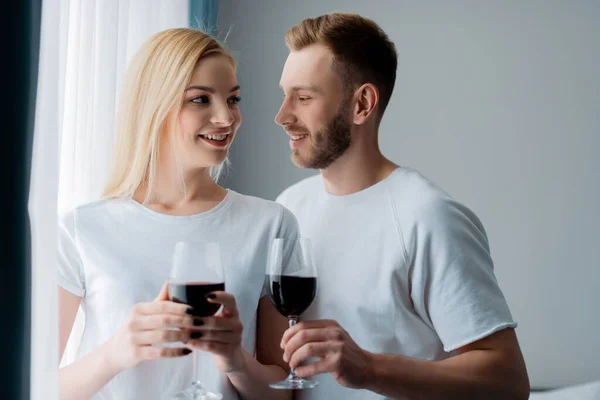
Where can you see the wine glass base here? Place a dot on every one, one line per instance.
(293, 383)
(196, 392)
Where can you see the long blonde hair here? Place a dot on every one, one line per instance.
(154, 86)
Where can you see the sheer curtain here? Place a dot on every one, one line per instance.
(102, 37)
(84, 50)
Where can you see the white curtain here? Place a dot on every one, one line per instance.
(84, 50)
(102, 37)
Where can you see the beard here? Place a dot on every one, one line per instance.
(329, 142)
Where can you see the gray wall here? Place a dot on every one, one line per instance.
(497, 102)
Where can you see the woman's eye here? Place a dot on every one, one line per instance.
(303, 98)
(234, 100)
(200, 100)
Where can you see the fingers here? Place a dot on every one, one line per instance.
(219, 324)
(164, 336)
(226, 330)
(303, 337)
(154, 353)
(161, 307)
(225, 299)
(325, 323)
(161, 321)
(326, 365)
(164, 293)
(196, 338)
(214, 347)
(313, 349)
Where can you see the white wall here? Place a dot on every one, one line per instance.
(499, 103)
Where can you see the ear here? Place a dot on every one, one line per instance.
(366, 100)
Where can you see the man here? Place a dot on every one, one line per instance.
(408, 306)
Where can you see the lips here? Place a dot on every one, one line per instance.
(296, 134)
(217, 135)
(296, 139)
(218, 139)
(214, 137)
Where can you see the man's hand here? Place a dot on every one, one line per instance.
(326, 339)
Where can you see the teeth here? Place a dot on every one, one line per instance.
(298, 137)
(215, 137)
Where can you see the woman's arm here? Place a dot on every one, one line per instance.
(75, 380)
(253, 378)
(132, 344)
(68, 306)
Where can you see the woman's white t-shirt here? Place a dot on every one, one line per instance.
(115, 253)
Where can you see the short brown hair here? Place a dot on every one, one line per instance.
(363, 53)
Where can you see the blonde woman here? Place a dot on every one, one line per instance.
(178, 116)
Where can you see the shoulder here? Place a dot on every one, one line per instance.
(89, 211)
(254, 203)
(261, 208)
(421, 203)
(260, 212)
(414, 189)
(300, 190)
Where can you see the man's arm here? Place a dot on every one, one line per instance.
(490, 368)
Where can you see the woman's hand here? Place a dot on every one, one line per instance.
(221, 335)
(150, 324)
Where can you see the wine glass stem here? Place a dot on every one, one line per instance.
(195, 371)
(292, 321)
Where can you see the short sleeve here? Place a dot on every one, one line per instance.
(281, 199)
(454, 288)
(288, 225)
(70, 268)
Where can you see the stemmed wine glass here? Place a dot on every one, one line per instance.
(291, 280)
(196, 271)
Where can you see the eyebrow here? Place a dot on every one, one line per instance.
(310, 88)
(211, 89)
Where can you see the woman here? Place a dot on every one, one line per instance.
(177, 119)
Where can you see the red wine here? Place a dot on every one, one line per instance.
(194, 295)
(291, 295)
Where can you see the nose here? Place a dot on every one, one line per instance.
(285, 115)
(222, 115)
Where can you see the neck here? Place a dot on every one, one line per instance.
(360, 167)
(167, 194)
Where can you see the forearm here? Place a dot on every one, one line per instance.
(478, 374)
(253, 379)
(83, 378)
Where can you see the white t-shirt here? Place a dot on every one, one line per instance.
(116, 253)
(402, 267)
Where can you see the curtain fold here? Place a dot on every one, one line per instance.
(84, 50)
(21, 31)
(102, 37)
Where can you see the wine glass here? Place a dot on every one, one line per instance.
(196, 271)
(291, 280)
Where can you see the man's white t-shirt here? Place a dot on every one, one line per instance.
(116, 253)
(402, 267)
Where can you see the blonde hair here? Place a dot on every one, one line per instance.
(154, 86)
(363, 53)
